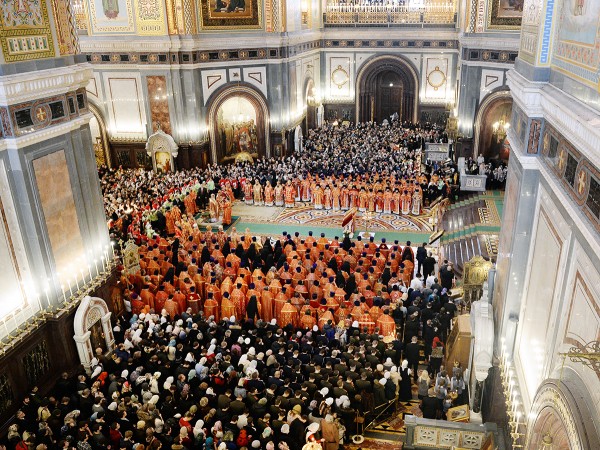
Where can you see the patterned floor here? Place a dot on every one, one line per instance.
(381, 221)
(375, 444)
(395, 425)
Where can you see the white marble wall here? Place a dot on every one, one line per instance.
(549, 298)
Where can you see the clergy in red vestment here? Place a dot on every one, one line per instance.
(211, 307)
(266, 301)
(386, 325)
(227, 306)
(308, 321)
(288, 315)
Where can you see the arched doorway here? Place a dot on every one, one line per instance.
(238, 121)
(560, 416)
(99, 137)
(491, 123)
(386, 85)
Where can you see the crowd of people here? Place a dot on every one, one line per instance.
(495, 172)
(232, 342)
(367, 166)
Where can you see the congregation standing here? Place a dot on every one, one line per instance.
(234, 341)
(368, 166)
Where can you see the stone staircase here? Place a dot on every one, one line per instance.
(472, 227)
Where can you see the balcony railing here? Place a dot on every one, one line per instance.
(389, 13)
(79, 13)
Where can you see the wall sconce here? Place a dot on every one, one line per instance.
(304, 10)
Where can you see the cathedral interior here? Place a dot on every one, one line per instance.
(86, 83)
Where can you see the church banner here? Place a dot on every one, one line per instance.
(230, 14)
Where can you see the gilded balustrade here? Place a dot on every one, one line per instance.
(426, 12)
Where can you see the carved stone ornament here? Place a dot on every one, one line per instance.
(92, 328)
(551, 400)
(163, 150)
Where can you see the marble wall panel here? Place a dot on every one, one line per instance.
(128, 118)
(58, 206)
(159, 104)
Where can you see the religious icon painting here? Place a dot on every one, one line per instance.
(111, 16)
(230, 14)
(505, 14)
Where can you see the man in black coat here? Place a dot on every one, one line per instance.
(428, 264)
(411, 353)
(421, 257)
(430, 405)
(447, 276)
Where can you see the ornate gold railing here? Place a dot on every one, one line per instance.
(79, 12)
(426, 12)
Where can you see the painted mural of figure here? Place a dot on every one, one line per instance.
(236, 5)
(111, 8)
(229, 143)
(244, 140)
(579, 4)
(253, 135)
(163, 161)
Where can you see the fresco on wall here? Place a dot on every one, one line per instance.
(236, 124)
(111, 16)
(576, 52)
(25, 30)
(505, 14)
(579, 21)
(230, 14)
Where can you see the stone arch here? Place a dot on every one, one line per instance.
(560, 411)
(259, 103)
(367, 78)
(102, 148)
(487, 106)
(92, 328)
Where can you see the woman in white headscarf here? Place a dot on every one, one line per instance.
(405, 394)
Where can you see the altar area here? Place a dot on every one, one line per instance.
(265, 220)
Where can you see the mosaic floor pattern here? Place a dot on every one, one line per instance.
(306, 215)
(375, 444)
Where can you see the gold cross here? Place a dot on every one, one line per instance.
(581, 184)
(561, 159)
(40, 113)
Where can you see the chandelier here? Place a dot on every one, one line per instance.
(500, 128)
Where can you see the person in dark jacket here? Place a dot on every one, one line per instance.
(430, 405)
(421, 257)
(428, 265)
(252, 308)
(411, 353)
